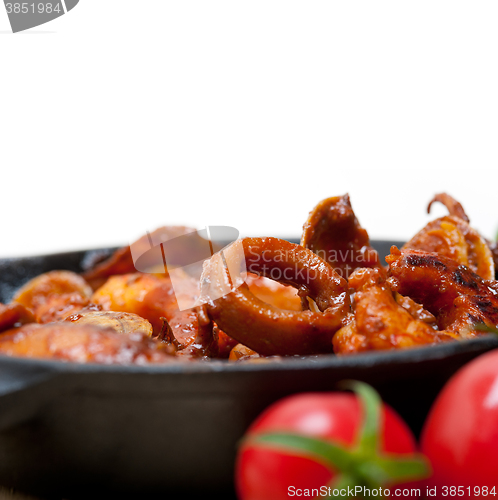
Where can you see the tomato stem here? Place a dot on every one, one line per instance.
(371, 403)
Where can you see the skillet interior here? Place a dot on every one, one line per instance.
(72, 430)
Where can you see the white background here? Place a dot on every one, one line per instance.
(125, 115)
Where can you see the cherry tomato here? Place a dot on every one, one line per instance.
(354, 441)
(460, 435)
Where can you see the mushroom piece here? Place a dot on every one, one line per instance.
(121, 322)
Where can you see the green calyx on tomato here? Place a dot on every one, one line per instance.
(360, 465)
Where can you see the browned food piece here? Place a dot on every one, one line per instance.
(347, 340)
(35, 291)
(154, 298)
(240, 353)
(458, 298)
(379, 321)
(453, 237)
(416, 310)
(265, 328)
(13, 314)
(273, 293)
(122, 262)
(185, 336)
(59, 307)
(493, 246)
(147, 295)
(225, 342)
(333, 232)
(54, 295)
(191, 333)
(454, 207)
(120, 322)
(82, 344)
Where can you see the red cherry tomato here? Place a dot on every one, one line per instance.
(269, 471)
(460, 435)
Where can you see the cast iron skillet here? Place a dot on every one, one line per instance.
(80, 431)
